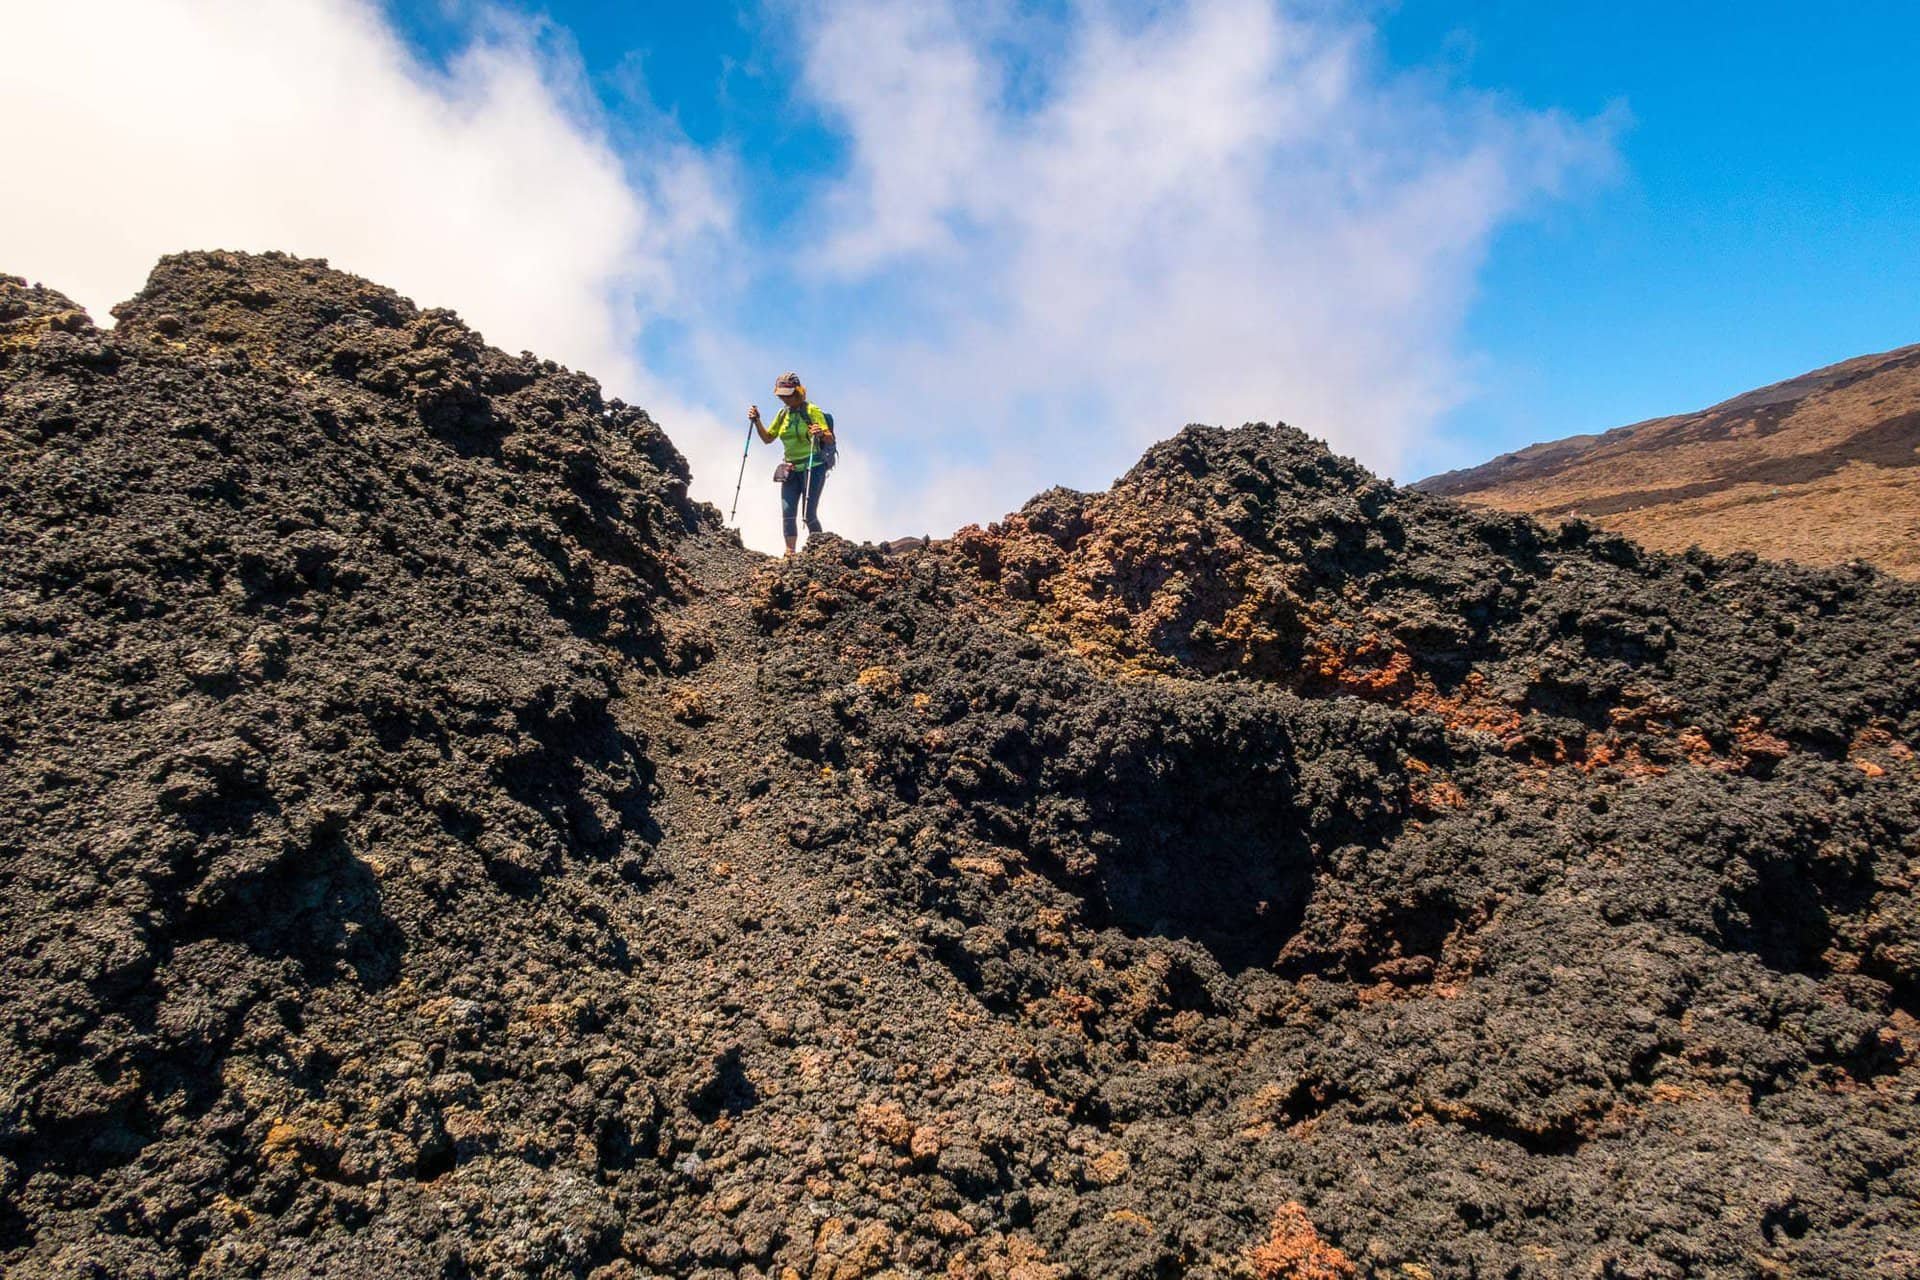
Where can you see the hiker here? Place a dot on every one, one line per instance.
(806, 432)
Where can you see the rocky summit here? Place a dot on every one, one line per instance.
(432, 846)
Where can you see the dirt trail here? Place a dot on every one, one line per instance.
(840, 1048)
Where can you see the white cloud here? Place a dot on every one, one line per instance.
(145, 127)
(1217, 211)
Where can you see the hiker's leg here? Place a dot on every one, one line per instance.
(817, 480)
(789, 505)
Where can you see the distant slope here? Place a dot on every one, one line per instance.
(1821, 468)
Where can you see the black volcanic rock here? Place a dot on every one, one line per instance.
(434, 847)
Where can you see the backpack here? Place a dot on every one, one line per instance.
(828, 455)
(831, 453)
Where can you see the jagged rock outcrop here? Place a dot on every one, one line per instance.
(434, 847)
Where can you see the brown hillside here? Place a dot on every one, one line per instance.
(1821, 468)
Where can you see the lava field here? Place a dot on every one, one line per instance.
(432, 846)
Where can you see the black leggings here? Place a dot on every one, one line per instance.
(801, 487)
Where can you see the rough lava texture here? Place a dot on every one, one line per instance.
(431, 846)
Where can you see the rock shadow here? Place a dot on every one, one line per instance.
(319, 906)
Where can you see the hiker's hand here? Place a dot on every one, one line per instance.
(753, 413)
(818, 432)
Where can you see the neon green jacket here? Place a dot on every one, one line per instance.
(794, 431)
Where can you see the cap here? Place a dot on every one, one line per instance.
(787, 384)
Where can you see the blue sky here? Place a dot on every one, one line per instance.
(1010, 245)
(1763, 221)
(1759, 220)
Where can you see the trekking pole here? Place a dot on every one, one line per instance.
(807, 485)
(745, 449)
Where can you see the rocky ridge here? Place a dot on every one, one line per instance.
(434, 847)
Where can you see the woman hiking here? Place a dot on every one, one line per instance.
(806, 432)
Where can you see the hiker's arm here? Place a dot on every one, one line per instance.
(760, 428)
